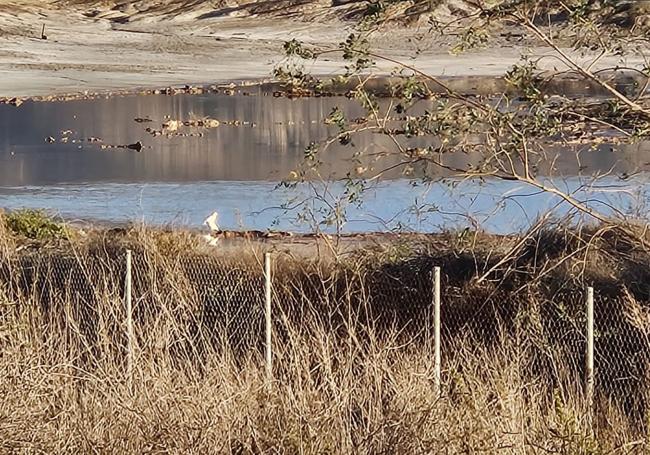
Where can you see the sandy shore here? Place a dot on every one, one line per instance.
(128, 50)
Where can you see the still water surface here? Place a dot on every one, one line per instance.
(47, 160)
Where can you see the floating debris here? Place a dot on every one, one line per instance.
(143, 120)
(138, 146)
(188, 89)
(178, 134)
(194, 90)
(202, 123)
(50, 140)
(153, 132)
(230, 90)
(171, 126)
(210, 123)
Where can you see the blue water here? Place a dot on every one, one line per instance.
(496, 206)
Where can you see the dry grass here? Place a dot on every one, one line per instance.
(341, 385)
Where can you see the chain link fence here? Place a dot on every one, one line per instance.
(190, 307)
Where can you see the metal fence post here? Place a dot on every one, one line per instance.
(436, 330)
(129, 322)
(267, 314)
(589, 367)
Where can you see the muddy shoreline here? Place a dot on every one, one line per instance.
(230, 243)
(382, 86)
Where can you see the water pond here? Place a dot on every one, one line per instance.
(106, 160)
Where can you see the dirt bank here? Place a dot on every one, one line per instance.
(96, 46)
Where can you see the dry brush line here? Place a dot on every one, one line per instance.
(348, 379)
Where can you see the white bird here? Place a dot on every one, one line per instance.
(212, 241)
(212, 222)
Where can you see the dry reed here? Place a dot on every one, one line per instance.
(348, 377)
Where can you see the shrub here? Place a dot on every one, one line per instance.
(34, 224)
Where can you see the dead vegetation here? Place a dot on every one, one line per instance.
(353, 365)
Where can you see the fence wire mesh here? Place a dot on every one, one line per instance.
(202, 304)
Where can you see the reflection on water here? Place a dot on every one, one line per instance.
(234, 168)
(267, 147)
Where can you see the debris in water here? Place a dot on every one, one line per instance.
(50, 140)
(153, 132)
(138, 146)
(171, 126)
(202, 123)
(210, 123)
(185, 135)
(143, 120)
(193, 90)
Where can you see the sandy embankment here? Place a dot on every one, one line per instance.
(90, 48)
